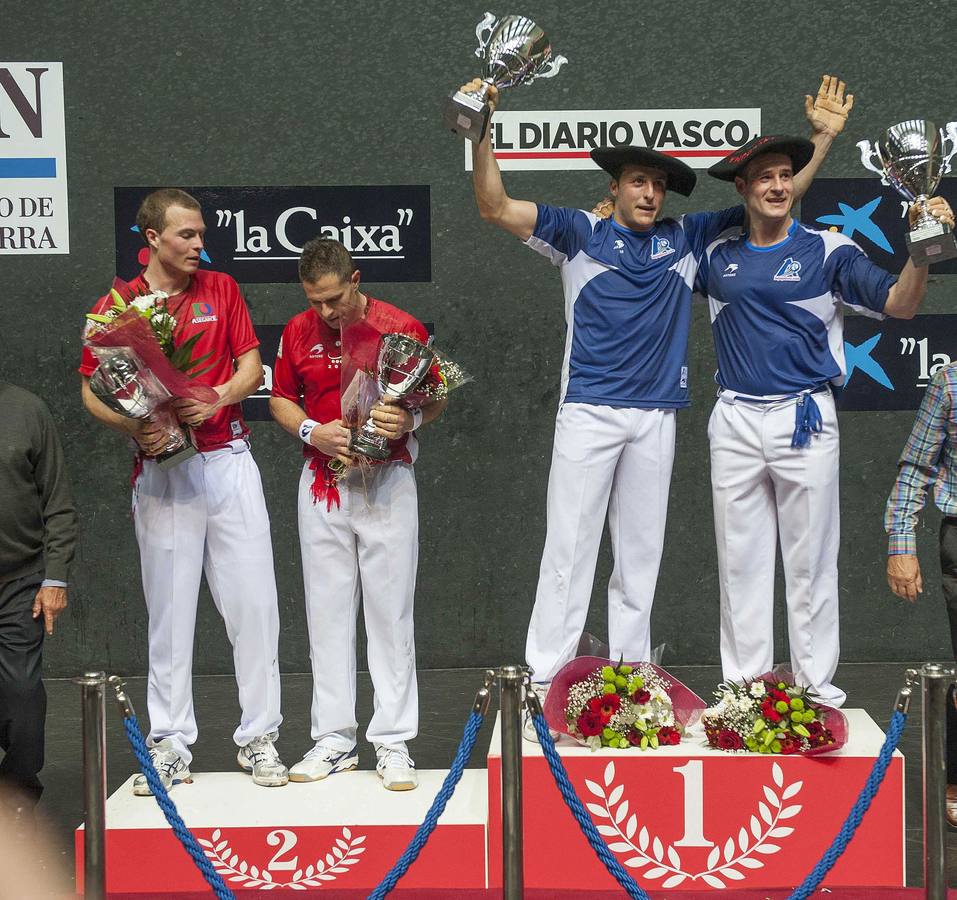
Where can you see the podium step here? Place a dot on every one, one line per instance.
(691, 818)
(344, 832)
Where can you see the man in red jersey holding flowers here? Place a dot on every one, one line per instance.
(205, 514)
(358, 533)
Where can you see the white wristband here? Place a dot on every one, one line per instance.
(305, 430)
(416, 419)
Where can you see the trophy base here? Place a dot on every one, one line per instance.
(170, 458)
(466, 116)
(373, 446)
(931, 244)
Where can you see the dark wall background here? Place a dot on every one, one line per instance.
(349, 93)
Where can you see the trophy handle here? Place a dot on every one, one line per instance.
(868, 152)
(949, 133)
(486, 25)
(550, 69)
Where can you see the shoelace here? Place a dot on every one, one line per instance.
(326, 753)
(395, 759)
(167, 765)
(262, 751)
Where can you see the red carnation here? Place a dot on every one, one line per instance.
(589, 724)
(668, 736)
(594, 705)
(769, 712)
(634, 737)
(729, 740)
(611, 703)
(818, 733)
(790, 745)
(640, 696)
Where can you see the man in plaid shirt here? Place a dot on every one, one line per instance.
(929, 457)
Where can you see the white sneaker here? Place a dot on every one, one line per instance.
(321, 762)
(528, 726)
(261, 758)
(170, 766)
(396, 769)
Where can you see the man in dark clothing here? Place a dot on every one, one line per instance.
(37, 539)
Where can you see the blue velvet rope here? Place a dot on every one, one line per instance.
(185, 836)
(871, 787)
(587, 826)
(425, 830)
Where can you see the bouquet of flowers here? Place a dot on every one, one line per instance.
(141, 371)
(604, 704)
(772, 714)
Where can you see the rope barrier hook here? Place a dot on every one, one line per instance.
(122, 698)
(532, 701)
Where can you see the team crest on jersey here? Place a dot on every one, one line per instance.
(790, 270)
(203, 312)
(619, 245)
(661, 247)
(731, 271)
(316, 351)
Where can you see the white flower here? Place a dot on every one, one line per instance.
(757, 689)
(147, 301)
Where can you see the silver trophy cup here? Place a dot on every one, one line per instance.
(515, 51)
(127, 387)
(402, 364)
(910, 158)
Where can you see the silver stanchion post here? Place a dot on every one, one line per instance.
(511, 685)
(935, 682)
(93, 685)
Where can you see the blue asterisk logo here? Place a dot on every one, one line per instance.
(853, 220)
(859, 357)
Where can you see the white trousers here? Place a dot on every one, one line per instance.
(604, 459)
(369, 547)
(207, 515)
(763, 490)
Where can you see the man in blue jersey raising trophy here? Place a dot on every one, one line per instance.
(628, 282)
(775, 292)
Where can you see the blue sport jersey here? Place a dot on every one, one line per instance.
(627, 302)
(776, 312)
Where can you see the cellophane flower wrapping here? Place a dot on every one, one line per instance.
(140, 329)
(132, 330)
(620, 705)
(771, 714)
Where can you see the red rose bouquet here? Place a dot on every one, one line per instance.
(619, 706)
(772, 714)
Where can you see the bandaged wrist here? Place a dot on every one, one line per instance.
(416, 419)
(305, 430)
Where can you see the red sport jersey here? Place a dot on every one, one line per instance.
(212, 307)
(308, 365)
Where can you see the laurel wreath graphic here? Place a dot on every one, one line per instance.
(336, 862)
(724, 862)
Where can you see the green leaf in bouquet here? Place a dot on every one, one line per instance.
(96, 317)
(204, 370)
(118, 302)
(182, 356)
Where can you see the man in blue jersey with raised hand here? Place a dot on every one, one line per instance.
(628, 282)
(776, 292)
